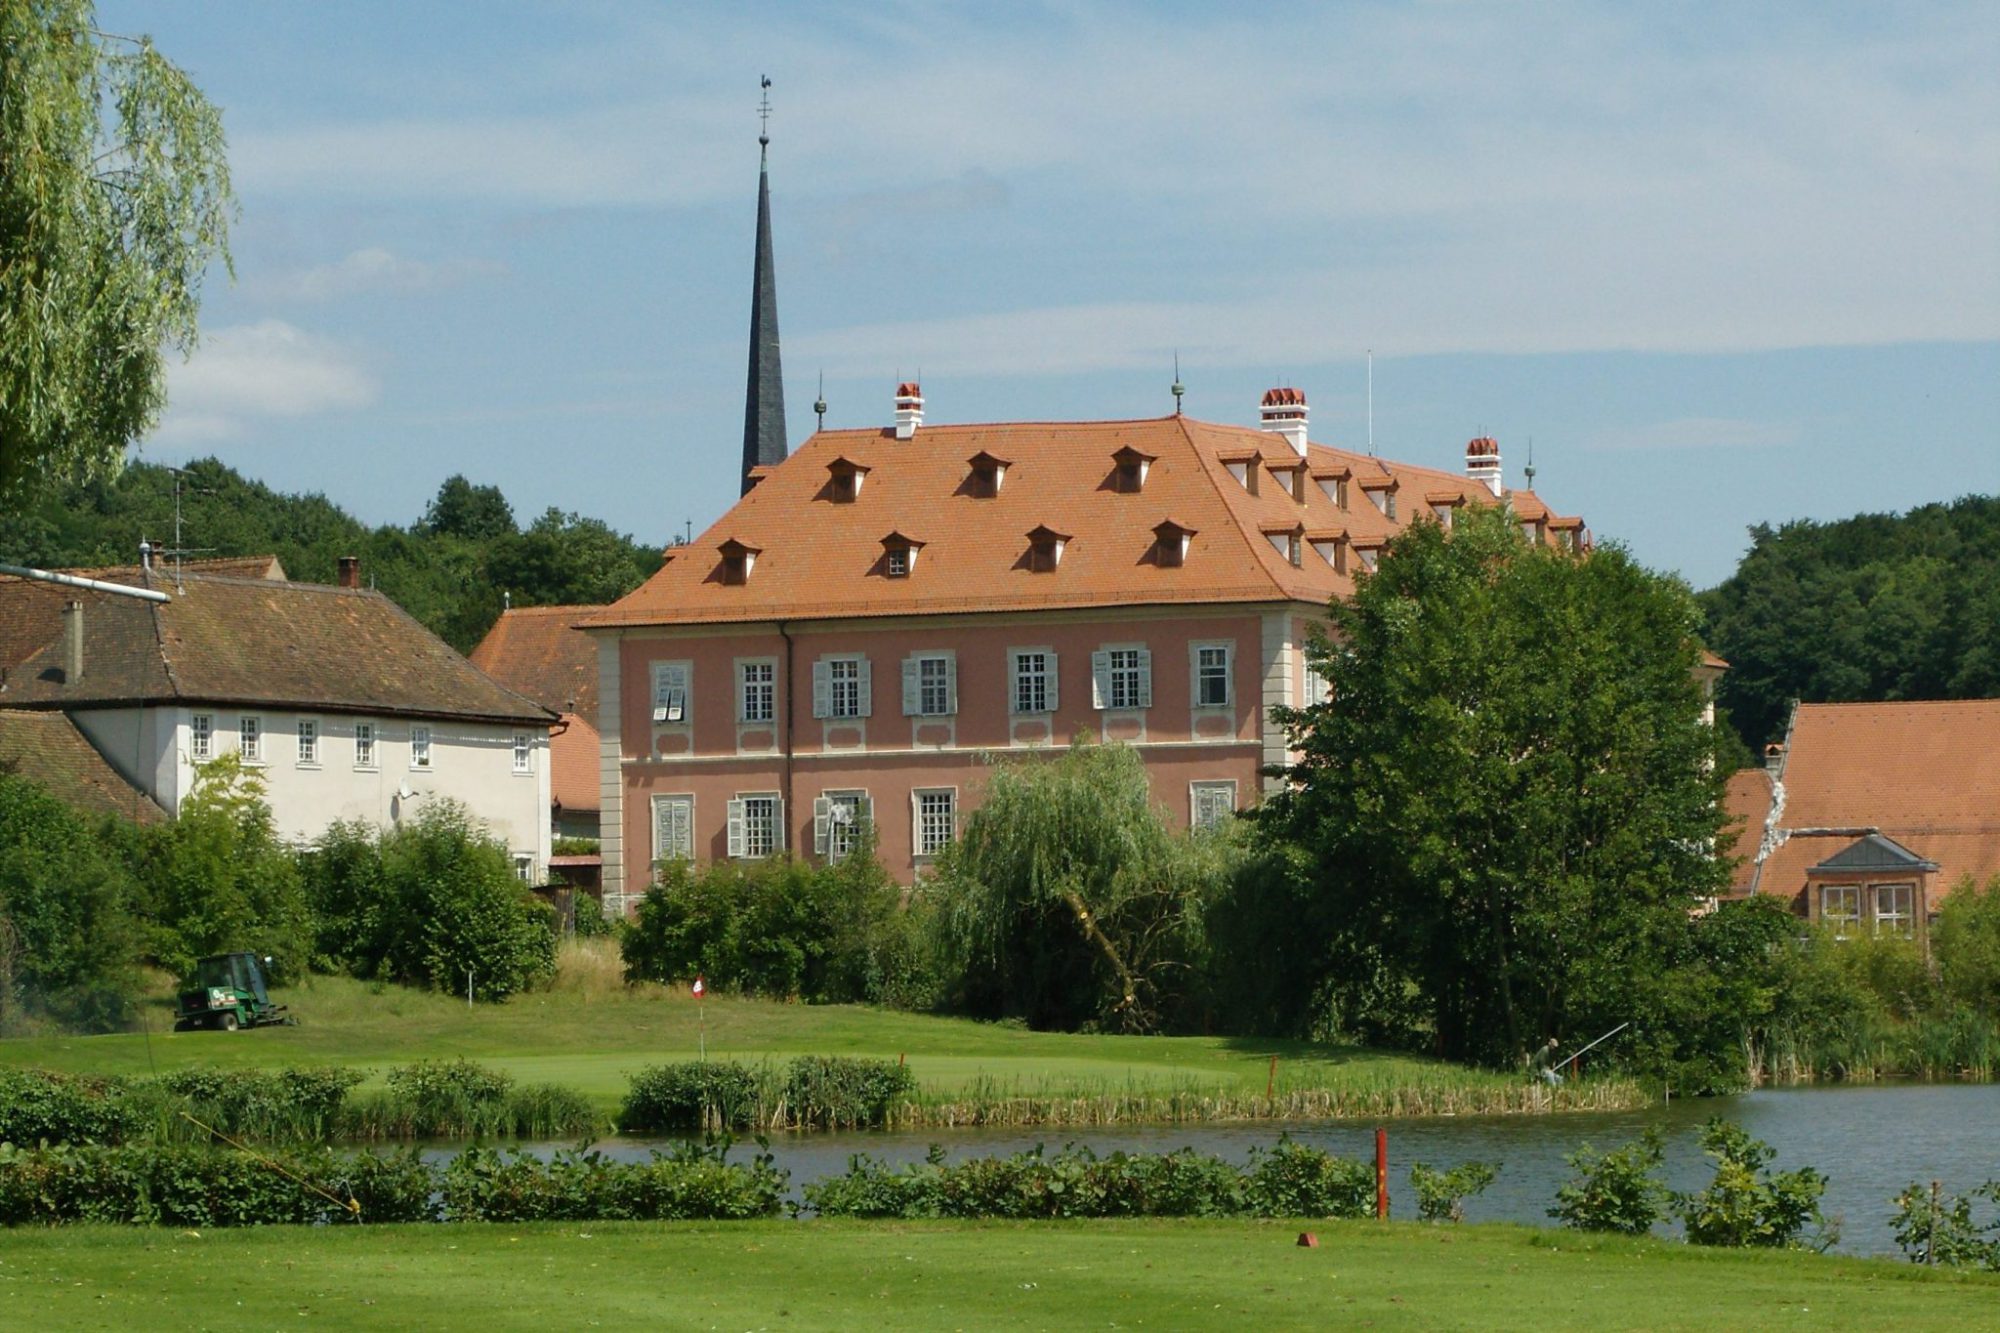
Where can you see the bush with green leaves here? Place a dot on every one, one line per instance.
(1745, 1204)
(462, 1100)
(1936, 1228)
(844, 1092)
(1441, 1195)
(810, 1092)
(38, 1106)
(1618, 1191)
(299, 1105)
(187, 1185)
(694, 1182)
(691, 1095)
(1966, 943)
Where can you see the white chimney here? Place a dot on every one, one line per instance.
(1284, 411)
(909, 409)
(1482, 462)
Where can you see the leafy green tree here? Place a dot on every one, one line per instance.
(1510, 799)
(1746, 1204)
(68, 947)
(114, 197)
(1069, 903)
(1966, 944)
(461, 509)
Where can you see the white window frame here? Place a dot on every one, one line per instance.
(524, 867)
(366, 741)
(837, 819)
(1211, 801)
(1901, 922)
(1204, 672)
(524, 753)
(925, 830)
(1033, 693)
(930, 678)
(420, 747)
(664, 835)
(843, 687)
(672, 692)
(764, 691)
(1121, 678)
(308, 732)
(753, 841)
(1314, 687)
(1847, 921)
(201, 737)
(896, 562)
(250, 738)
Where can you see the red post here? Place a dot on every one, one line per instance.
(1382, 1174)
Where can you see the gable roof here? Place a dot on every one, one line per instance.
(539, 652)
(816, 554)
(256, 641)
(1873, 852)
(48, 750)
(33, 608)
(1926, 775)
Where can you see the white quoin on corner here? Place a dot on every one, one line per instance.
(909, 409)
(1284, 411)
(1482, 462)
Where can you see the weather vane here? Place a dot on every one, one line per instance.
(764, 115)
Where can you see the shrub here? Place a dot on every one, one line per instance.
(1745, 1205)
(68, 944)
(460, 1099)
(1966, 943)
(835, 1092)
(1441, 1195)
(285, 1105)
(38, 1107)
(691, 1095)
(1615, 1191)
(1293, 1180)
(1940, 1229)
(693, 1183)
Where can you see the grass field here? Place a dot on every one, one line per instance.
(590, 1034)
(1179, 1275)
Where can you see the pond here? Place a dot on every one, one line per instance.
(1869, 1141)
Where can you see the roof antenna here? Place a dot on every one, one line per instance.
(819, 403)
(1371, 402)
(764, 122)
(1530, 469)
(1178, 388)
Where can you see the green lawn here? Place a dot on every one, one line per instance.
(814, 1275)
(593, 1038)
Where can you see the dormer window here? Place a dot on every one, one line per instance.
(1368, 552)
(1443, 505)
(1383, 492)
(1131, 469)
(1331, 546)
(1244, 465)
(843, 480)
(1292, 477)
(899, 555)
(738, 560)
(989, 472)
(1170, 543)
(1288, 542)
(1045, 548)
(1333, 484)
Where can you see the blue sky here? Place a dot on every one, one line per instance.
(1722, 263)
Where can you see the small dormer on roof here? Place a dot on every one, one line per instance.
(1283, 411)
(988, 473)
(1368, 550)
(844, 478)
(738, 559)
(1045, 548)
(1333, 479)
(1244, 464)
(1287, 539)
(1330, 544)
(1382, 491)
(1442, 504)
(1171, 540)
(1130, 468)
(1291, 474)
(899, 554)
(756, 474)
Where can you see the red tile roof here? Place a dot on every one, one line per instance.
(537, 651)
(817, 554)
(1924, 774)
(48, 750)
(573, 761)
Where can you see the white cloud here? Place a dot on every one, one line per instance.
(1697, 433)
(265, 370)
(373, 269)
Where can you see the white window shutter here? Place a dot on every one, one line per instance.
(822, 689)
(663, 811)
(736, 827)
(912, 697)
(866, 684)
(1053, 700)
(779, 840)
(822, 824)
(1145, 678)
(1100, 679)
(951, 684)
(864, 809)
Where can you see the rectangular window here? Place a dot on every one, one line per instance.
(930, 685)
(1389, 505)
(308, 742)
(1895, 910)
(841, 687)
(673, 828)
(896, 562)
(670, 691)
(524, 752)
(936, 817)
(201, 737)
(838, 818)
(524, 867)
(1034, 671)
(1122, 678)
(1210, 803)
(1211, 675)
(1840, 908)
(1316, 689)
(756, 826)
(758, 697)
(250, 739)
(420, 747)
(364, 745)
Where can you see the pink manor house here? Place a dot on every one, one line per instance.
(887, 611)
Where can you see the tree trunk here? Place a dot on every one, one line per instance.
(1128, 984)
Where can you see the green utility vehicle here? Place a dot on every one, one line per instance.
(227, 991)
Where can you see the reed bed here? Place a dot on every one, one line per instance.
(1962, 1047)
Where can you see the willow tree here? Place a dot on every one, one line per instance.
(1069, 903)
(114, 198)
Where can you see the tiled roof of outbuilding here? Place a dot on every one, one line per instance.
(48, 750)
(537, 651)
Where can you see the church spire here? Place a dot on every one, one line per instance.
(764, 440)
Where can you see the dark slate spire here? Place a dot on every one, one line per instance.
(764, 400)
